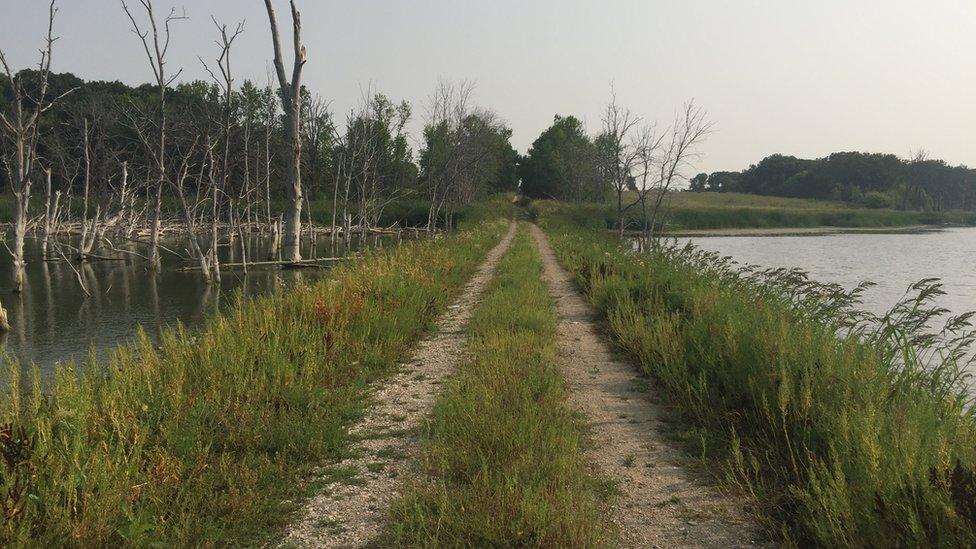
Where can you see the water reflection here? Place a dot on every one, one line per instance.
(53, 321)
(891, 260)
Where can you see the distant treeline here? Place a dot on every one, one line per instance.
(871, 180)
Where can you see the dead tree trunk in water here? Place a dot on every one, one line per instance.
(156, 47)
(291, 99)
(20, 124)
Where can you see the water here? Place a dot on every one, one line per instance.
(52, 321)
(891, 260)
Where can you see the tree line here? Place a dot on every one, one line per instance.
(631, 162)
(871, 180)
(209, 160)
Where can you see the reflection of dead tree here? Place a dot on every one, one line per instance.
(20, 129)
(155, 42)
(58, 248)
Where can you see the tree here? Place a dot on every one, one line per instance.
(618, 156)
(20, 122)
(698, 183)
(291, 100)
(155, 43)
(562, 163)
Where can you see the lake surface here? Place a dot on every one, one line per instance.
(52, 321)
(891, 260)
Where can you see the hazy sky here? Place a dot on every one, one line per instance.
(804, 78)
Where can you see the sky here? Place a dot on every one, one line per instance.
(805, 78)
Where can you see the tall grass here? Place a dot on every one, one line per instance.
(846, 429)
(200, 440)
(695, 211)
(502, 453)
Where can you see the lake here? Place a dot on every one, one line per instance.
(52, 321)
(891, 260)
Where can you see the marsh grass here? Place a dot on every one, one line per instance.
(502, 453)
(693, 211)
(844, 429)
(200, 439)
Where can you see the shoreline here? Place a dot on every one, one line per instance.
(807, 231)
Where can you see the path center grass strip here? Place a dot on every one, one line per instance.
(502, 452)
(198, 441)
(842, 441)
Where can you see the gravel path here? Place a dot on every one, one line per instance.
(659, 504)
(350, 509)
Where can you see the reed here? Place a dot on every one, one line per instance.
(696, 211)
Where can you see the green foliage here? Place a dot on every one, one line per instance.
(202, 440)
(502, 452)
(562, 164)
(871, 180)
(845, 429)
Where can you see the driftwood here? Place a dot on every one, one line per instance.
(303, 264)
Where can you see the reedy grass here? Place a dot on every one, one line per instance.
(695, 211)
(502, 453)
(201, 439)
(843, 428)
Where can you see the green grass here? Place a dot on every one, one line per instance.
(502, 452)
(710, 210)
(840, 437)
(201, 440)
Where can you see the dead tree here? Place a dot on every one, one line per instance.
(291, 99)
(690, 128)
(155, 43)
(646, 144)
(619, 157)
(21, 130)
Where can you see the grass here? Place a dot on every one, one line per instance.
(843, 429)
(502, 453)
(201, 440)
(711, 210)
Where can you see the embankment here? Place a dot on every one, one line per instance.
(199, 440)
(842, 434)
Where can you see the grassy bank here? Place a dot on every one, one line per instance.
(198, 440)
(844, 430)
(706, 210)
(502, 452)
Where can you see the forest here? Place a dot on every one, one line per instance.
(870, 180)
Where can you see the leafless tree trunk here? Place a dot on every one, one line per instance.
(690, 128)
(21, 129)
(50, 211)
(291, 96)
(155, 42)
(618, 156)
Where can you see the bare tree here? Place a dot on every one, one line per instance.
(618, 155)
(155, 43)
(291, 99)
(21, 130)
(647, 144)
(690, 128)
